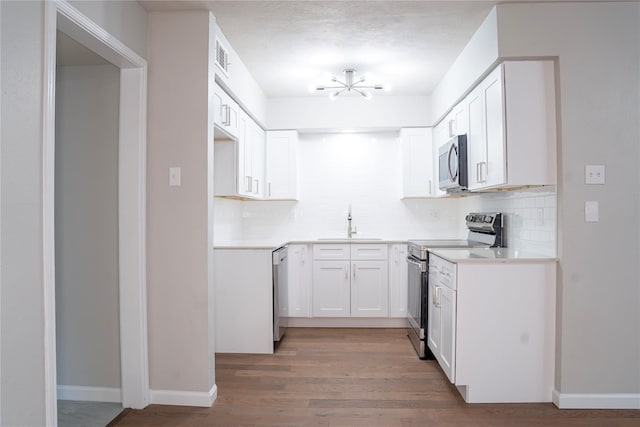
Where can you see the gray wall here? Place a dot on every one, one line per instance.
(598, 45)
(22, 361)
(180, 219)
(22, 307)
(86, 228)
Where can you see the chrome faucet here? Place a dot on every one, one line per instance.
(350, 230)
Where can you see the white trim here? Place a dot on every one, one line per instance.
(596, 400)
(48, 207)
(89, 394)
(184, 398)
(60, 15)
(82, 29)
(0, 215)
(132, 238)
(344, 322)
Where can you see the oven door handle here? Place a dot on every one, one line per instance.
(422, 265)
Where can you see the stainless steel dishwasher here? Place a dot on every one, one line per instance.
(280, 289)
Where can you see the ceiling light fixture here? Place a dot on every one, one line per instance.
(351, 83)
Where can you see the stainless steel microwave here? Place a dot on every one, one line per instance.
(452, 165)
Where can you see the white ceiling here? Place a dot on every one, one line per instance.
(289, 45)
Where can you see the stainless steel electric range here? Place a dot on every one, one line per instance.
(485, 230)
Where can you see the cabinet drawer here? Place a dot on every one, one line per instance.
(443, 270)
(331, 251)
(368, 251)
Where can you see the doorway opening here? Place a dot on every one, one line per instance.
(86, 236)
(110, 199)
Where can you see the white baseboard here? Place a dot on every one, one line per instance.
(184, 398)
(343, 322)
(89, 394)
(596, 401)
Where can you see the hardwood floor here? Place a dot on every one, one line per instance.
(349, 378)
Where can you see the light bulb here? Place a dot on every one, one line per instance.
(334, 95)
(367, 95)
(387, 87)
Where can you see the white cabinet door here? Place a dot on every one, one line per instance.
(434, 330)
(494, 171)
(257, 159)
(417, 163)
(226, 112)
(281, 159)
(441, 333)
(299, 276)
(244, 157)
(398, 281)
(459, 116)
(447, 308)
(369, 289)
(331, 289)
(485, 137)
(476, 141)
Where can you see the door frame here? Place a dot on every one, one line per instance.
(60, 15)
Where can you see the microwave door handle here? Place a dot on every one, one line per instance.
(452, 177)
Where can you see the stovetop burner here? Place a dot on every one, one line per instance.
(485, 230)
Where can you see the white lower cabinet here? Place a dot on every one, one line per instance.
(369, 289)
(350, 280)
(398, 280)
(441, 334)
(492, 328)
(299, 281)
(331, 288)
(243, 300)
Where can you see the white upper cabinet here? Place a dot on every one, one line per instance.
(239, 163)
(511, 130)
(281, 176)
(418, 178)
(257, 138)
(226, 112)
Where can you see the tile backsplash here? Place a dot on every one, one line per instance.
(363, 171)
(530, 216)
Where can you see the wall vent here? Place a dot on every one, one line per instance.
(222, 58)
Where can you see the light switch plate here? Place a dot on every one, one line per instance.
(174, 177)
(591, 211)
(594, 174)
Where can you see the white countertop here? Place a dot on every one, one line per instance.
(250, 244)
(495, 255)
(270, 244)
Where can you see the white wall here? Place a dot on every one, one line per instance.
(22, 334)
(86, 214)
(469, 67)
(319, 112)
(179, 219)
(124, 19)
(598, 45)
